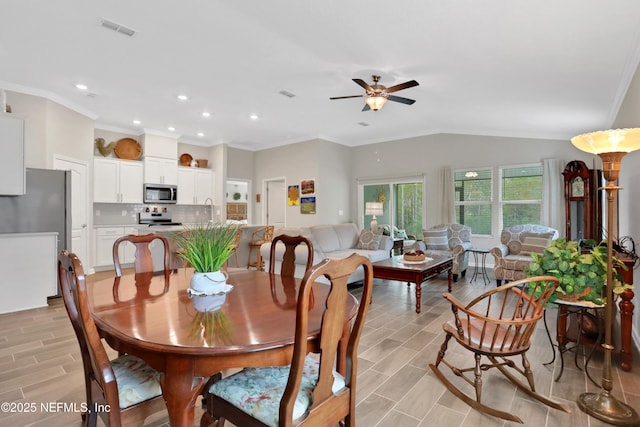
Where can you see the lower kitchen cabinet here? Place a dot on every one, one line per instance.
(105, 238)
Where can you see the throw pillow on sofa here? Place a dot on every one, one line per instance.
(436, 239)
(535, 242)
(368, 240)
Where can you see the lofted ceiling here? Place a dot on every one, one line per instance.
(537, 69)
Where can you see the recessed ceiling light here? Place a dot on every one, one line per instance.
(254, 117)
(200, 134)
(136, 122)
(206, 114)
(171, 128)
(81, 86)
(182, 97)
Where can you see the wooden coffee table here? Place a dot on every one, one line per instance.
(395, 268)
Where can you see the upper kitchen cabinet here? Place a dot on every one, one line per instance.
(195, 185)
(158, 170)
(12, 171)
(117, 181)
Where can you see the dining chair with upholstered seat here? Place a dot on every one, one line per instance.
(497, 324)
(129, 387)
(143, 260)
(288, 266)
(259, 237)
(308, 391)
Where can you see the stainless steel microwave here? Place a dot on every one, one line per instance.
(160, 193)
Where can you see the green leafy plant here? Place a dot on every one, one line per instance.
(206, 247)
(582, 275)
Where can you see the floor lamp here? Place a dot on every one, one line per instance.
(611, 146)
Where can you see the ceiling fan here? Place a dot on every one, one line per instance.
(377, 94)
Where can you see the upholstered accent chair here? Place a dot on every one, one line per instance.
(513, 255)
(449, 239)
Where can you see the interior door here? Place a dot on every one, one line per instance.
(79, 205)
(276, 202)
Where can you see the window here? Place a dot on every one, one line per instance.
(521, 195)
(473, 199)
(402, 201)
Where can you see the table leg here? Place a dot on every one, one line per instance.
(626, 314)
(449, 278)
(553, 347)
(180, 390)
(418, 294)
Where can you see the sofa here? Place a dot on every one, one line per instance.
(448, 239)
(513, 255)
(333, 241)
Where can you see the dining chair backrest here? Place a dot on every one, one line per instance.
(328, 403)
(100, 378)
(288, 266)
(143, 259)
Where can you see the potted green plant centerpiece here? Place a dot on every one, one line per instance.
(582, 275)
(207, 247)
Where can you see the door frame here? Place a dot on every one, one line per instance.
(88, 208)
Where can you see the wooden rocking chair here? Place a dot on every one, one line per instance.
(498, 324)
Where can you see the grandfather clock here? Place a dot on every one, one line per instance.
(581, 202)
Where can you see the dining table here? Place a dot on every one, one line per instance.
(189, 338)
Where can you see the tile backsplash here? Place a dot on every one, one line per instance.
(127, 214)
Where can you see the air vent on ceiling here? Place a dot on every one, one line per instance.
(117, 27)
(363, 124)
(287, 93)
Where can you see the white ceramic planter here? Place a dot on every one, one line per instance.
(210, 283)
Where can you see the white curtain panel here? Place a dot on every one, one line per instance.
(447, 209)
(553, 212)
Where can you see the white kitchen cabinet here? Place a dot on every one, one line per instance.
(12, 171)
(117, 181)
(194, 186)
(106, 237)
(159, 170)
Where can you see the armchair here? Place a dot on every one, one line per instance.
(513, 255)
(451, 239)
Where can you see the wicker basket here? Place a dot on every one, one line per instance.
(202, 163)
(414, 258)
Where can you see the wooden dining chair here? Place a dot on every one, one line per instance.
(129, 387)
(309, 391)
(497, 324)
(288, 266)
(259, 237)
(143, 260)
(236, 244)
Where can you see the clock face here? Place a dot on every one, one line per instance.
(577, 187)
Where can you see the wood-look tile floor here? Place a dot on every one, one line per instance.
(40, 363)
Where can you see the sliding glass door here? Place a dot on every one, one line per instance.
(402, 203)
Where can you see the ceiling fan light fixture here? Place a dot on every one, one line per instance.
(375, 102)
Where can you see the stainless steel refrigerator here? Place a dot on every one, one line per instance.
(46, 206)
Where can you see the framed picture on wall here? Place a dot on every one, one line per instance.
(308, 205)
(293, 195)
(308, 187)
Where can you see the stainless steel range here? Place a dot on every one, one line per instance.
(157, 219)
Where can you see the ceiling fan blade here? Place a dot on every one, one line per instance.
(401, 86)
(366, 107)
(401, 99)
(364, 84)
(345, 97)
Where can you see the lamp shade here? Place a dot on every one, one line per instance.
(373, 208)
(608, 141)
(375, 102)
